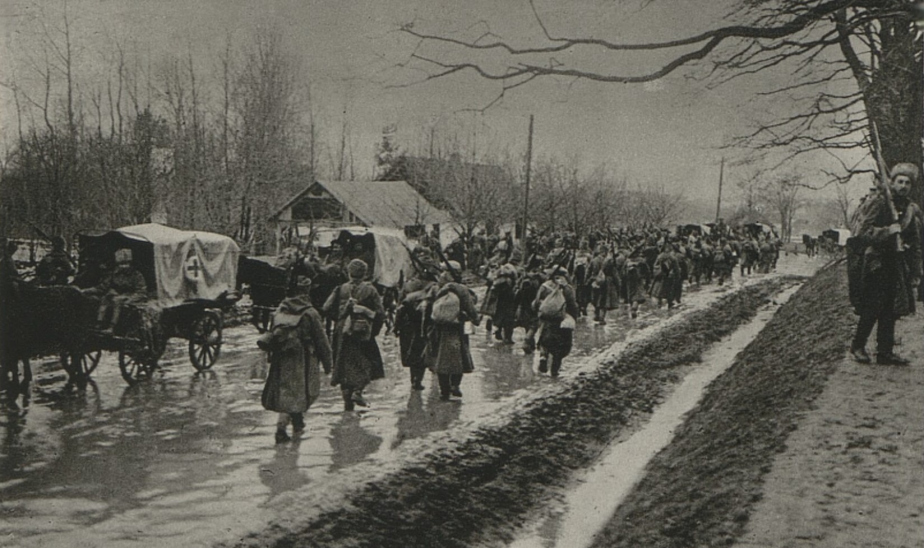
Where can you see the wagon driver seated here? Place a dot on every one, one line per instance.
(123, 286)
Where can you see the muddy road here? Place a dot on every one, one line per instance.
(188, 458)
(191, 455)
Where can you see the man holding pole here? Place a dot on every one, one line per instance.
(887, 240)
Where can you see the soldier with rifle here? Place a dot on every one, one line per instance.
(884, 257)
(410, 318)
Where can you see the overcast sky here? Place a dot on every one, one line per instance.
(667, 132)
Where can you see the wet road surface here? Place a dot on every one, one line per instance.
(188, 458)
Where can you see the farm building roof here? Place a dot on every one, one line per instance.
(391, 204)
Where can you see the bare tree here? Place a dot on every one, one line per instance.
(845, 206)
(781, 193)
(659, 206)
(268, 103)
(825, 42)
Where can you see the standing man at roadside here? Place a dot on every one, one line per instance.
(888, 274)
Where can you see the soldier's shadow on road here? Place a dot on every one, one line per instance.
(420, 418)
(351, 443)
(281, 474)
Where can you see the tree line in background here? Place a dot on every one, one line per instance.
(487, 191)
(208, 144)
(217, 144)
(851, 68)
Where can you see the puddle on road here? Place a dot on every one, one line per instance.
(587, 507)
(190, 456)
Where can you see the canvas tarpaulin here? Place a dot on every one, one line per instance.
(391, 254)
(188, 264)
(391, 258)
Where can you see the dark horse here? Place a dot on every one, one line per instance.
(269, 284)
(40, 321)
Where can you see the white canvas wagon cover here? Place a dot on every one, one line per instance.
(188, 264)
(391, 251)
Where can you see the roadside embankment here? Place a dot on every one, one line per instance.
(701, 490)
(479, 488)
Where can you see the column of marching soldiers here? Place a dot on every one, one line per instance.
(543, 284)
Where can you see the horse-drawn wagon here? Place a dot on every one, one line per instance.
(189, 280)
(267, 279)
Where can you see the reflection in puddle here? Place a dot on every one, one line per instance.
(105, 461)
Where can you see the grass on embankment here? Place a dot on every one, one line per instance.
(481, 488)
(700, 490)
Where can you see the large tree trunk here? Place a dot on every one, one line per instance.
(894, 98)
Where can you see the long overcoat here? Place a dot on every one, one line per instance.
(448, 350)
(356, 362)
(552, 337)
(605, 282)
(880, 276)
(667, 277)
(409, 322)
(294, 379)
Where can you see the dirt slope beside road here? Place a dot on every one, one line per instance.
(478, 489)
(703, 488)
(852, 475)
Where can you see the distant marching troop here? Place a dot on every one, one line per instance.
(326, 313)
(542, 285)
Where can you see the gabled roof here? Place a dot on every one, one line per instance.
(392, 204)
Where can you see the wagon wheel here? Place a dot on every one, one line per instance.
(79, 365)
(135, 367)
(205, 341)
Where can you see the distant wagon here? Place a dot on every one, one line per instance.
(836, 236)
(756, 230)
(692, 229)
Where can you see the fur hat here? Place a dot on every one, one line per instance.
(907, 169)
(301, 287)
(357, 268)
(123, 255)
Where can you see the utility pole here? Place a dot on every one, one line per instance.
(529, 163)
(718, 203)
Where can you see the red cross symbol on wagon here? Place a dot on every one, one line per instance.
(193, 270)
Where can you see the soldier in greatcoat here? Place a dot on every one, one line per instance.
(888, 267)
(297, 348)
(448, 351)
(357, 309)
(410, 324)
(555, 335)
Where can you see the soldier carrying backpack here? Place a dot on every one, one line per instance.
(448, 352)
(557, 310)
(296, 345)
